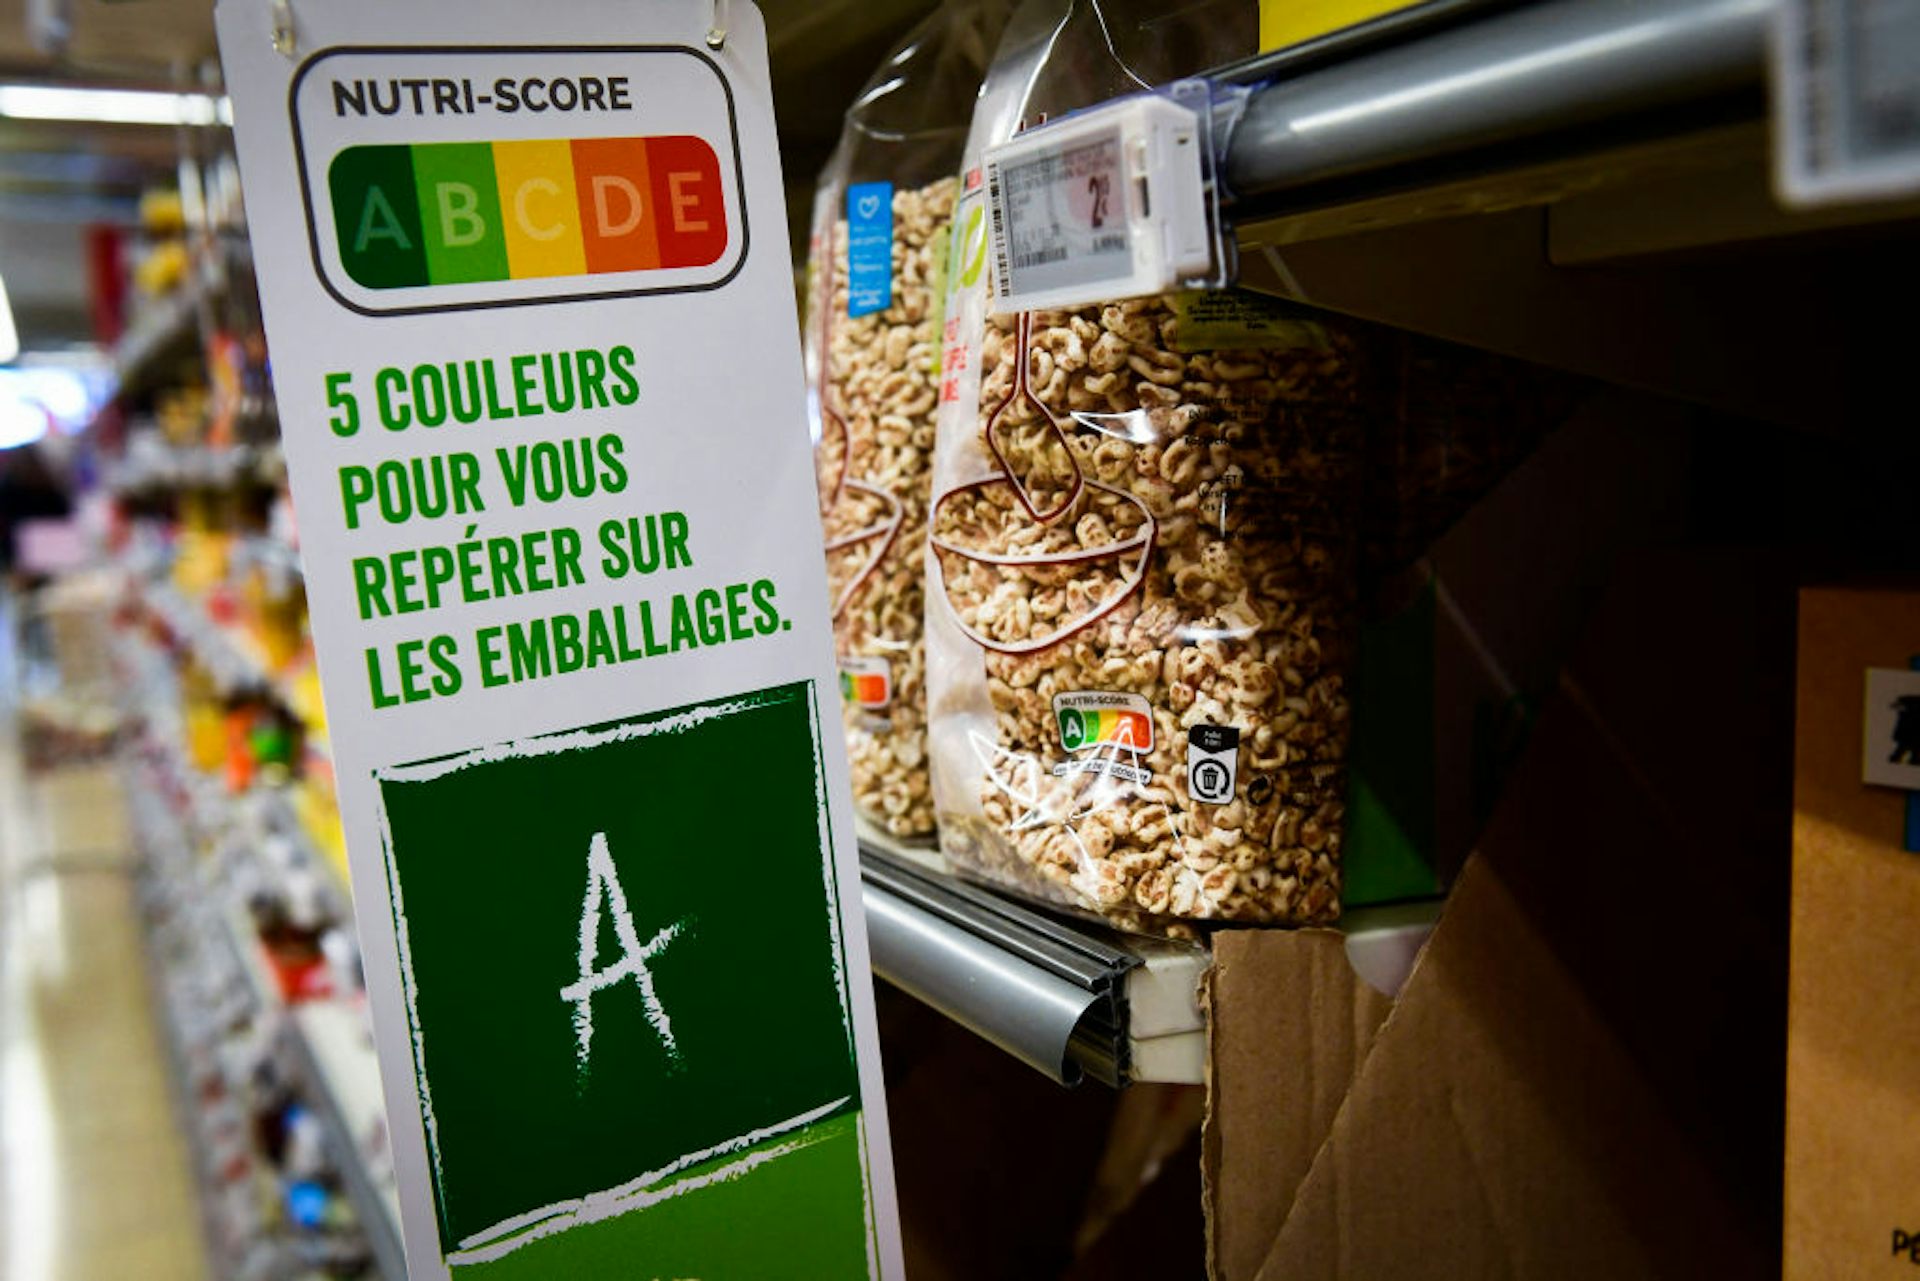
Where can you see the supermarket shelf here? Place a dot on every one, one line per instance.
(237, 926)
(229, 654)
(324, 1038)
(233, 664)
(337, 1061)
(270, 814)
(1482, 94)
(213, 991)
(139, 354)
(1584, 184)
(1069, 1001)
(280, 817)
(1384, 942)
(150, 466)
(1166, 1026)
(182, 1096)
(274, 556)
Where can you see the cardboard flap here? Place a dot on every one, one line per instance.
(1289, 1025)
(1499, 1130)
(1581, 1077)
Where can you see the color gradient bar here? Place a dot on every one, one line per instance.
(448, 213)
(868, 689)
(1090, 727)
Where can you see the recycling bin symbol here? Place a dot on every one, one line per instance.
(1213, 757)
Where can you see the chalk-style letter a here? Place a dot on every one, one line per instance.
(603, 891)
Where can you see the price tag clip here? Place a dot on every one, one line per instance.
(1116, 201)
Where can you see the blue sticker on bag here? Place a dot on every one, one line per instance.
(869, 247)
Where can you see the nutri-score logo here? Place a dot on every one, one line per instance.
(445, 179)
(1104, 732)
(1097, 718)
(460, 212)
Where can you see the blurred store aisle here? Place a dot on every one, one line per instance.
(95, 1182)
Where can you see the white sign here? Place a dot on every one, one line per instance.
(1890, 741)
(524, 275)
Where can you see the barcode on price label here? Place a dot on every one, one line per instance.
(1847, 98)
(1060, 217)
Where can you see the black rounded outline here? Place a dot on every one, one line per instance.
(306, 190)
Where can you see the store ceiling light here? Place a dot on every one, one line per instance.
(112, 106)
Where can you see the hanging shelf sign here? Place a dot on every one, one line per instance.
(524, 276)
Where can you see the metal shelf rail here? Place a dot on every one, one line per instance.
(1451, 172)
(1325, 124)
(1068, 1001)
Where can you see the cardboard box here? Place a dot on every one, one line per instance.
(1582, 1076)
(1853, 1038)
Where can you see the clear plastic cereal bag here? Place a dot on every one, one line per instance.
(1141, 553)
(881, 242)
